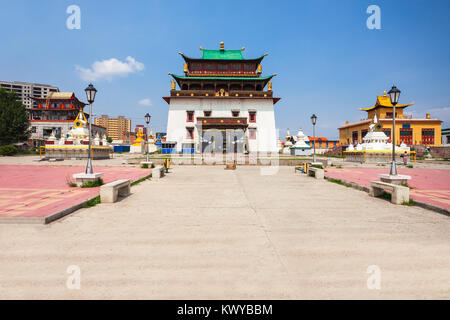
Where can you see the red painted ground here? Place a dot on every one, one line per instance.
(39, 191)
(430, 186)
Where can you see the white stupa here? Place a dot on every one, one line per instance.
(376, 141)
(287, 143)
(301, 146)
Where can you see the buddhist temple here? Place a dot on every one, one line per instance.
(222, 104)
(56, 114)
(409, 131)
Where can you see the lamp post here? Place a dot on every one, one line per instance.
(314, 120)
(147, 120)
(90, 94)
(394, 95)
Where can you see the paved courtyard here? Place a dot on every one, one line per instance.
(428, 185)
(205, 232)
(30, 192)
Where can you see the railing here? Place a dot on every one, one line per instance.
(212, 93)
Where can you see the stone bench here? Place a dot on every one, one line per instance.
(316, 172)
(157, 172)
(111, 191)
(400, 194)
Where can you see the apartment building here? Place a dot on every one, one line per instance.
(26, 91)
(115, 127)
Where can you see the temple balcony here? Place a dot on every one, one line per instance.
(214, 94)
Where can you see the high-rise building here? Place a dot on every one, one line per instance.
(26, 91)
(115, 127)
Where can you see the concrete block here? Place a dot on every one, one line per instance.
(316, 173)
(110, 192)
(157, 172)
(399, 194)
(81, 178)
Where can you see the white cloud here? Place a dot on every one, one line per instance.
(145, 102)
(108, 69)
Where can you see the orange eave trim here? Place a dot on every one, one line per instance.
(381, 106)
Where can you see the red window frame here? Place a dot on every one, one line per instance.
(355, 136)
(252, 133)
(189, 116)
(428, 138)
(252, 117)
(196, 67)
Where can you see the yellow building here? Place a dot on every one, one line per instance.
(411, 131)
(115, 127)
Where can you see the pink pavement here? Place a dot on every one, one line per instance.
(429, 185)
(40, 191)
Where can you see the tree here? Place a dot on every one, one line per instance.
(14, 124)
(109, 139)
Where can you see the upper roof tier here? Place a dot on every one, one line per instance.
(385, 101)
(68, 96)
(222, 55)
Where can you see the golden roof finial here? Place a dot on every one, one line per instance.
(384, 93)
(222, 45)
(201, 48)
(243, 48)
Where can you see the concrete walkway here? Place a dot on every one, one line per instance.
(204, 232)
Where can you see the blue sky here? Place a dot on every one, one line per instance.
(328, 62)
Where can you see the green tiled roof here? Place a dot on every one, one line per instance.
(222, 54)
(222, 78)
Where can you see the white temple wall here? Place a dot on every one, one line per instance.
(222, 107)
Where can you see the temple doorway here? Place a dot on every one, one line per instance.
(221, 140)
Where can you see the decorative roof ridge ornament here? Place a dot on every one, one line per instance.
(222, 46)
(201, 48)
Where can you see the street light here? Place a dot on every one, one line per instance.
(90, 94)
(314, 120)
(147, 120)
(394, 95)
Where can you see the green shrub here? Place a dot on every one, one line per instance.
(8, 150)
(144, 166)
(93, 202)
(385, 195)
(92, 184)
(153, 166)
(338, 181)
(141, 179)
(410, 166)
(408, 203)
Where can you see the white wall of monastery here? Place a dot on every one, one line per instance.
(222, 107)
